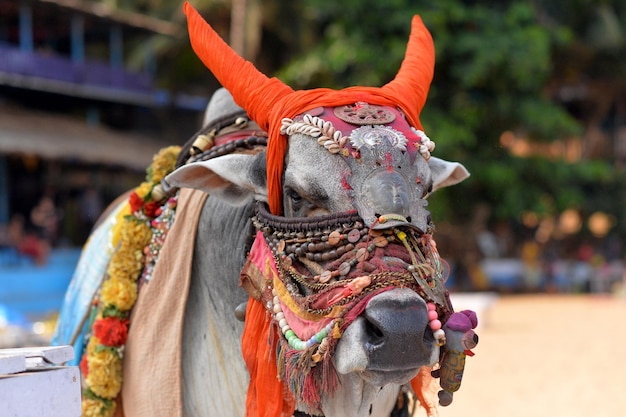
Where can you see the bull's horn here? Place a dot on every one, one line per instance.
(250, 88)
(413, 80)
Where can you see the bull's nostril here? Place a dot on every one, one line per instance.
(374, 334)
(428, 335)
(395, 332)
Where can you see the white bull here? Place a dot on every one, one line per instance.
(338, 202)
(370, 372)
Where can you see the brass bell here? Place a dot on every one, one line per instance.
(202, 143)
(157, 193)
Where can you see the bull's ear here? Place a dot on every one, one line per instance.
(234, 178)
(446, 173)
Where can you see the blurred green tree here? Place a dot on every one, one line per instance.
(502, 68)
(542, 74)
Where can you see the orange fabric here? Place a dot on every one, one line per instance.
(250, 88)
(268, 101)
(267, 395)
(424, 386)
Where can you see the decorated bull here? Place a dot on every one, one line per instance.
(281, 263)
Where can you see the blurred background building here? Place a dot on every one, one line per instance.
(79, 124)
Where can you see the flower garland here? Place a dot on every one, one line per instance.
(101, 365)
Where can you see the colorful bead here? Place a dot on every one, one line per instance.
(435, 325)
(440, 336)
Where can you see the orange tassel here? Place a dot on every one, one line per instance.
(267, 395)
(425, 390)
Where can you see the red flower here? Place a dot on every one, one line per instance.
(111, 331)
(135, 202)
(84, 366)
(150, 209)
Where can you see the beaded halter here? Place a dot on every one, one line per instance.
(315, 275)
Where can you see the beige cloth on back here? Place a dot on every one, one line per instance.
(152, 384)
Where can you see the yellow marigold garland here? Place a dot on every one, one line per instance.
(102, 363)
(105, 372)
(119, 292)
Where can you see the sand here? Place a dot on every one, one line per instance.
(547, 356)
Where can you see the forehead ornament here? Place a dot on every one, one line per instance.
(376, 135)
(361, 113)
(335, 142)
(326, 134)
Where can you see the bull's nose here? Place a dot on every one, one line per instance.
(396, 331)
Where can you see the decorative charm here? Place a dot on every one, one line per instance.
(425, 145)
(364, 114)
(331, 139)
(460, 339)
(369, 134)
(202, 143)
(376, 135)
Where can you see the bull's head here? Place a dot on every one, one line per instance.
(344, 259)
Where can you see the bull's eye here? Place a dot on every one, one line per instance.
(304, 204)
(293, 196)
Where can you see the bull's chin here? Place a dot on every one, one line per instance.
(381, 378)
(369, 392)
(358, 397)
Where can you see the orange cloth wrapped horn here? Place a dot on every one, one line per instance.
(268, 100)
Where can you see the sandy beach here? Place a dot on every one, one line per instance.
(547, 356)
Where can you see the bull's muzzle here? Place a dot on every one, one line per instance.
(390, 341)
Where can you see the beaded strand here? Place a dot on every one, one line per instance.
(435, 324)
(294, 341)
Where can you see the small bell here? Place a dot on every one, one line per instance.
(202, 143)
(157, 193)
(241, 122)
(240, 311)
